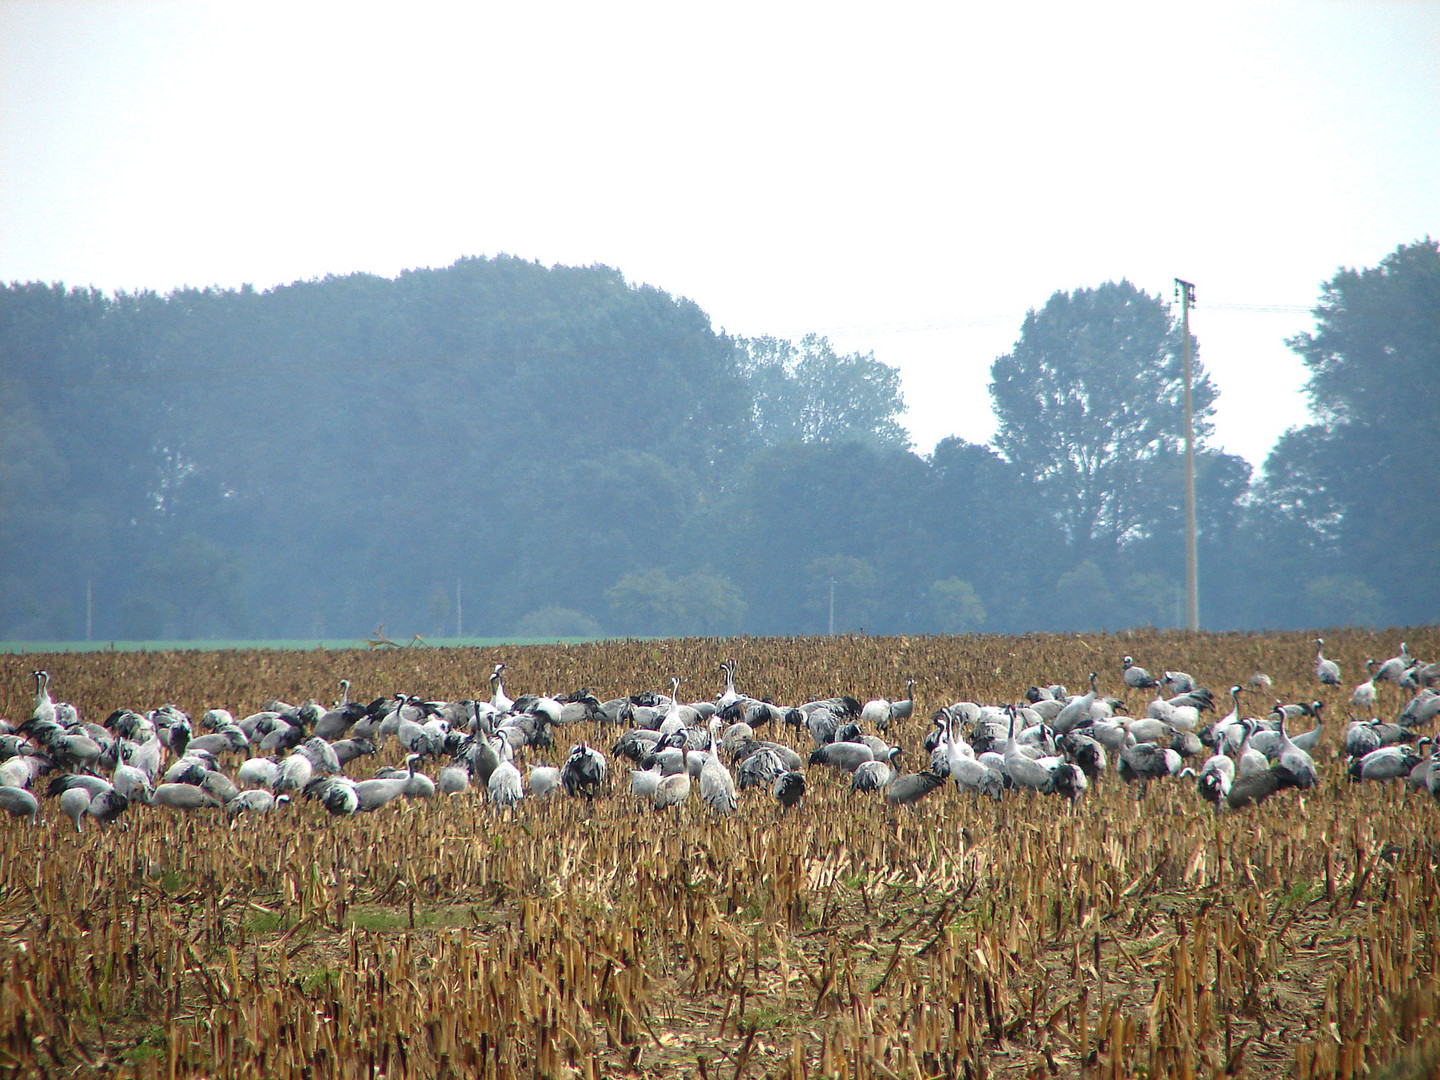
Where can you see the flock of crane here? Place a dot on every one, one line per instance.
(1052, 743)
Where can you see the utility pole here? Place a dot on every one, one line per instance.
(1186, 290)
(832, 607)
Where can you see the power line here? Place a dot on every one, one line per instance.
(931, 326)
(1262, 309)
(1013, 319)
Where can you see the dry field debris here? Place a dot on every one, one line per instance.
(1123, 936)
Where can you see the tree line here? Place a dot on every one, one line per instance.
(503, 448)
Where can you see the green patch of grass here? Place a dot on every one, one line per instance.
(1303, 892)
(766, 1018)
(150, 1047)
(377, 917)
(320, 981)
(972, 918)
(268, 922)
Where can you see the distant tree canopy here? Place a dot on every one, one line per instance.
(1090, 410)
(1360, 485)
(328, 454)
(808, 393)
(573, 454)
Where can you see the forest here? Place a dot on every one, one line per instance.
(502, 448)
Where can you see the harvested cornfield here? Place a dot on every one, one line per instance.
(964, 937)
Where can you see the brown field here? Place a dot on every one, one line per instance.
(962, 938)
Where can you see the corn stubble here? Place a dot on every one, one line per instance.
(962, 938)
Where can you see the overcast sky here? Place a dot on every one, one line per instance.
(907, 178)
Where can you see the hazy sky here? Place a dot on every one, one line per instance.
(907, 178)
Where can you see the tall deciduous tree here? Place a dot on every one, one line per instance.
(1089, 401)
(1362, 479)
(811, 393)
